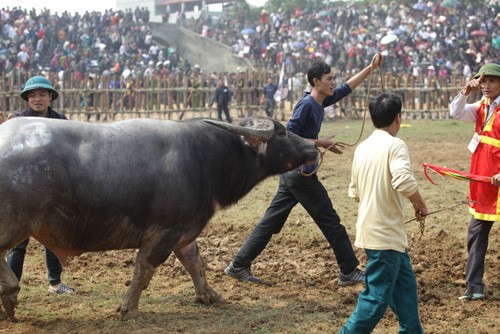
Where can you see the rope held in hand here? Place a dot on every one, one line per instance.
(444, 209)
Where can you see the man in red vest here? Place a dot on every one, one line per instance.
(484, 198)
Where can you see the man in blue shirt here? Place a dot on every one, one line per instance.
(268, 97)
(295, 187)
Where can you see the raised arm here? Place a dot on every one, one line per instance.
(357, 79)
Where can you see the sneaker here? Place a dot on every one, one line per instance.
(471, 296)
(243, 274)
(357, 276)
(60, 289)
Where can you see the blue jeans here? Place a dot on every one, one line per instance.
(389, 281)
(307, 190)
(15, 260)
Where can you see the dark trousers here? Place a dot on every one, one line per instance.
(269, 107)
(220, 109)
(307, 190)
(15, 260)
(477, 245)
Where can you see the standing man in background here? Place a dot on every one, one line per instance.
(222, 98)
(267, 97)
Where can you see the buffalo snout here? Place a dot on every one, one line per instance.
(312, 155)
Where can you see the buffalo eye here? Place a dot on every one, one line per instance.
(281, 132)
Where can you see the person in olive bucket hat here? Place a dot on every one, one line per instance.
(38, 92)
(484, 199)
(489, 69)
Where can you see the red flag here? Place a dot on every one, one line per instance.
(454, 174)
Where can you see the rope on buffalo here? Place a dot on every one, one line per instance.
(342, 144)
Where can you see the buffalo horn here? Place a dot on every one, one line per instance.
(257, 128)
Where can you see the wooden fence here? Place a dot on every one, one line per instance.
(181, 97)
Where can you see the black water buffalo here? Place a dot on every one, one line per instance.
(146, 184)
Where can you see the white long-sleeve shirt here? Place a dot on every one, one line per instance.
(381, 180)
(460, 109)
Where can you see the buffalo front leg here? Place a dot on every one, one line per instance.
(9, 288)
(143, 272)
(190, 258)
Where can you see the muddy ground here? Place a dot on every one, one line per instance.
(301, 295)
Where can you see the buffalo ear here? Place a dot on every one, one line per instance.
(257, 145)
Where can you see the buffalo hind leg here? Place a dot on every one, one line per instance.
(190, 258)
(9, 288)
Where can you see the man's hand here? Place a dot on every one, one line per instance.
(330, 145)
(419, 206)
(2, 117)
(473, 85)
(336, 148)
(377, 60)
(495, 180)
(420, 210)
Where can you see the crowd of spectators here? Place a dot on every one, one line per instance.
(432, 38)
(91, 44)
(438, 38)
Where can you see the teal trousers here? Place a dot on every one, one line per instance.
(390, 281)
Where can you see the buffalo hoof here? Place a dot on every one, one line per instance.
(4, 316)
(210, 297)
(126, 314)
(9, 304)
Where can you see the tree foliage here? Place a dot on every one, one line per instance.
(290, 5)
(241, 6)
